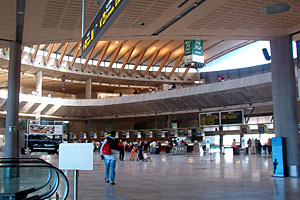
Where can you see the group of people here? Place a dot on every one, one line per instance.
(109, 149)
(254, 146)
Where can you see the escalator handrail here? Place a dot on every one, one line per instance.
(53, 188)
(47, 182)
(48, 165)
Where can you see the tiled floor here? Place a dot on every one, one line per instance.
(189, 176)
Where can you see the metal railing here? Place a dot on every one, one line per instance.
(31, 178)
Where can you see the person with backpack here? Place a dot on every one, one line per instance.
(108, 152)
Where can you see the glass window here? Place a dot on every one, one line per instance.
(247, 56)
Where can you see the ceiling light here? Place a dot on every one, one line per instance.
(117, 42)
(154, 48)
(277, 8)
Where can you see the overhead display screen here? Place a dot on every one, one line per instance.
(103, 19)
(232, 117)
(207, 119)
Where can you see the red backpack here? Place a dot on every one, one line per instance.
(106, 148)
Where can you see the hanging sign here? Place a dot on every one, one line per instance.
(193, 51)
(101, 22)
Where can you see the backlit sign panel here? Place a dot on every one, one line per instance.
(101, 22)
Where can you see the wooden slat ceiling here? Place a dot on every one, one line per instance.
(160, 53)
(212, 49)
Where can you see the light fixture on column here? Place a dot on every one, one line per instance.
(266, 54)
(277, 8)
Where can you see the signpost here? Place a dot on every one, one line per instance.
(76, 156)
(101, 22)
(193, 53)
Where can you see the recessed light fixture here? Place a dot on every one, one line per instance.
(277, 8)
(117, 42)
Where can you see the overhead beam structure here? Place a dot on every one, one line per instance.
(88, 58)
(75, 55)
(179, 58)
(162, 65)
(50, 49)
(103, 52)
(62, 55)
(115, 55)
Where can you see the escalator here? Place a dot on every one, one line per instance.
(31, 179)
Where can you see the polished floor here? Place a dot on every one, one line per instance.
(189, 176)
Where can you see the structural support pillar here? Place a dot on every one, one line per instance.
(38, 90)
(39, 83)
(88, 89)
(12, 106)
(284, 101)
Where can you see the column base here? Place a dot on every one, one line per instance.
(293, 171)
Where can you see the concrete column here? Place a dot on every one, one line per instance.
(88, 125)
(284, 101)
(39, 83)
(165, 87)
(169, 121)
(12, 105)
(221, 143)
(38, 90)
(88, 89)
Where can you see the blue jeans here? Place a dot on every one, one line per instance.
(110, 165)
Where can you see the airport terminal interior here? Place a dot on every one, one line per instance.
(208, 89)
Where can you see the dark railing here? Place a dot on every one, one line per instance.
(31, 178)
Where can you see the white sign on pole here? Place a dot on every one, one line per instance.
(76, 156)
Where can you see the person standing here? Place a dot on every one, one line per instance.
(121, 149)
(253, 146)
(233, 145)
(153, 145)
(110, 156)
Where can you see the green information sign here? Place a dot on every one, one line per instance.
(193, 51)
(12, 129)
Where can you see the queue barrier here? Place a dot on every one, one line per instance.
(179, 150)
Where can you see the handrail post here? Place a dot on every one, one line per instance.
(76, 173)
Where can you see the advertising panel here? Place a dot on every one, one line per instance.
(277, 156)
(45, 129)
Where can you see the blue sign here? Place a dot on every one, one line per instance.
(185, 132)
(277, 157)
(199, 132)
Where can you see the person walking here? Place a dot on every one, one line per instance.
(108, 152)
(132, 156)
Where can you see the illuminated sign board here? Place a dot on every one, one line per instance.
(232, 117)
(101, 22)
(193, 51)
(208, 119)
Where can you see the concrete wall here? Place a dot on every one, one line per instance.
(211, 77)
